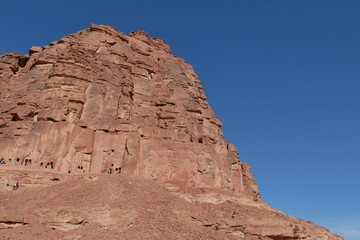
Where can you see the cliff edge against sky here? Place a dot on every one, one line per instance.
(99, 103)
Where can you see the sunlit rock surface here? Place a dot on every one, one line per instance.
(99, 103)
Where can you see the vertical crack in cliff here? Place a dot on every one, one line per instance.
(127, 149)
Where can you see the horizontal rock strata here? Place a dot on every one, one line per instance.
(99, 101)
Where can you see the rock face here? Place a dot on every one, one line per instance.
(99, 101)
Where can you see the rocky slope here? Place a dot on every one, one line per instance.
(121, 206)
(98, 103)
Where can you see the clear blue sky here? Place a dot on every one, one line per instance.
(283, 76)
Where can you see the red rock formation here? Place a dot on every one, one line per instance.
(99, 101)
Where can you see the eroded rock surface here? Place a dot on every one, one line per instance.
(79, 111)
(99, 101)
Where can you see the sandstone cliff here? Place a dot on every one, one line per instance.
(99, 102)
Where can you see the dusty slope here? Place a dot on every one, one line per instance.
(128, 207)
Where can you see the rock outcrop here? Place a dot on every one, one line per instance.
(99, 102)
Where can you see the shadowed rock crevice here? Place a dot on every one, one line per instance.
(12, 222)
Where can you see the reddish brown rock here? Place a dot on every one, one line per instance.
(10, 63)
(100, 102)
(129, 207)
